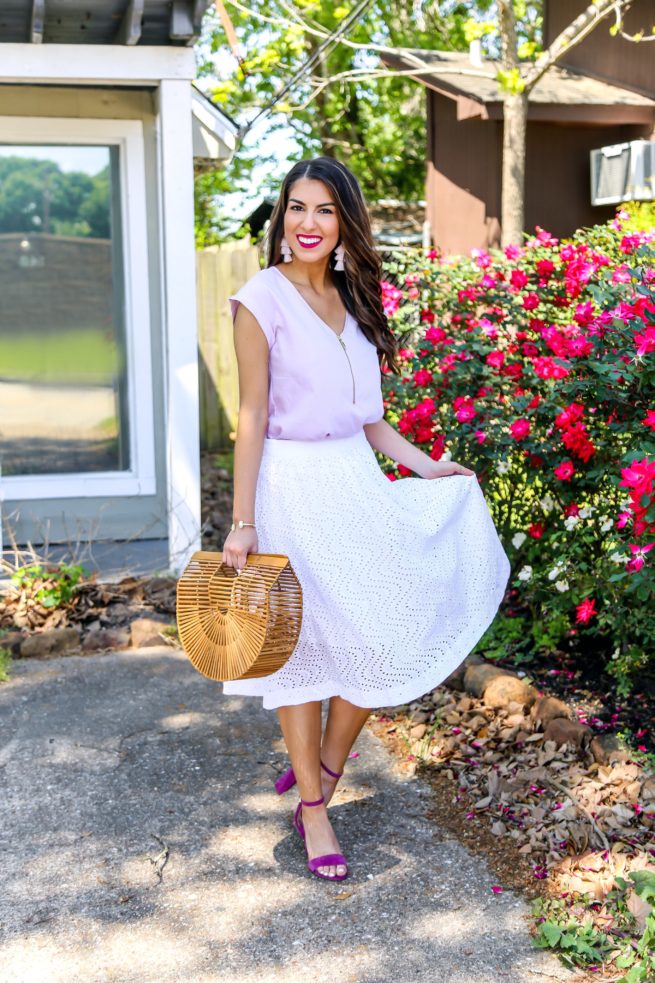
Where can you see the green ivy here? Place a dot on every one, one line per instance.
(49, 586)
(566, 926)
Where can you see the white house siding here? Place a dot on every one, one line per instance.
(106, 518)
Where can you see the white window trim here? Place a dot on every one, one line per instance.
(140, 478)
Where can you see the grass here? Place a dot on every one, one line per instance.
(87, 356)
(224, 459)
(5, 665)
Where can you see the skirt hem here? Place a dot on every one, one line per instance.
(392, 696)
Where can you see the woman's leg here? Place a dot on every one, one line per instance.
(301, 729)
(344, 722)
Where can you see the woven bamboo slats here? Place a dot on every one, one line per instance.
(239, 626)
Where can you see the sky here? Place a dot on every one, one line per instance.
(280, 144)
(89, 160)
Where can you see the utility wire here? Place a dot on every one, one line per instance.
(329, 42)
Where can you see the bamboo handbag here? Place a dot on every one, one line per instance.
(239, 626)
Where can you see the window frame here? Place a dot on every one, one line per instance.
(127, 135)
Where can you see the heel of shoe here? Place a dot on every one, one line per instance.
(285, 782)
(287, 779)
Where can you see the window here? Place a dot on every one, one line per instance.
(75, 381)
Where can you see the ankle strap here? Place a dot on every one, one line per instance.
(319, 802)
(335, 774)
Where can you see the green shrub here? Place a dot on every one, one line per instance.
(536, 368)
(49, 586)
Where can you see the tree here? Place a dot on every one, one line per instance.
(516, 87)
(371, 116)
(37, 196)
(374, 120)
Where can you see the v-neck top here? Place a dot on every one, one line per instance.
(321, 384)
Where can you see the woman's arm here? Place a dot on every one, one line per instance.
(382, 436)
(252, 354)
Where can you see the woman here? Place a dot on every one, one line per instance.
(400, 579)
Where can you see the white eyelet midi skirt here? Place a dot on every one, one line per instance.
(400, 579)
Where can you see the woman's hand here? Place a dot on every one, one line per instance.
(439, 469)
(238, 544)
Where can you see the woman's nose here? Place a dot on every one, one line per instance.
(309, 221)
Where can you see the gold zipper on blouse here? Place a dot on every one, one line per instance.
(343, 345)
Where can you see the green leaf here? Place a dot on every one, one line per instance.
(551, 932)
(644, 881)
(625, 959)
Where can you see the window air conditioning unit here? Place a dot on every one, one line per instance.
(623, 172)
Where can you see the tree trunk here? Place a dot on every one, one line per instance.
(512, 209)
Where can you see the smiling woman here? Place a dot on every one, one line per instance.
(399, 580)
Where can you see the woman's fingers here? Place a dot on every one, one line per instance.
(235, 552)
(236, 560)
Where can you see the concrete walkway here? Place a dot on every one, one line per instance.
(142, 842)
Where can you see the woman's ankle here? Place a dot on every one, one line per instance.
(330, 766)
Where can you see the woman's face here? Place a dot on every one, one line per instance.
(311, 225)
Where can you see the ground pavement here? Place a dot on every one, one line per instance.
(141, 841)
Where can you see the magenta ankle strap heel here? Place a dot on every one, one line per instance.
(297, 820)
(328, 859)
(287, 779)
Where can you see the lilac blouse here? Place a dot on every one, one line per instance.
(320, 384)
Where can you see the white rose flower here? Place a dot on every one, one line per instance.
(586, 511)
(562, 585)
(518, 539)
(571, 522)
(547, 503)
(525, 572)
(607, 523)
(502, 467)
(556, 571)
(618, 558)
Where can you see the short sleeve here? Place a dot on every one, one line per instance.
(259, 299)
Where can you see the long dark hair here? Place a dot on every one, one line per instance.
(359, 283)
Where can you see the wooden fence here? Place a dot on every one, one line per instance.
(221, 270)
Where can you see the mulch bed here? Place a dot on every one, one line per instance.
(549, 820)
(511, 870)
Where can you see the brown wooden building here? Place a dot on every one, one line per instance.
(601, 93)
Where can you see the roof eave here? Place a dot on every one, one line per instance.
(211, 117)
(596, 114)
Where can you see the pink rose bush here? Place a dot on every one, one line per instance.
(536, 368)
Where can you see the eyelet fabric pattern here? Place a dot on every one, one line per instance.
(400, 579)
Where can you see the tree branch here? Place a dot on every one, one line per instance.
(507, 28)
(408, 53)
(576, 32)
(618, 29)
(365, 74)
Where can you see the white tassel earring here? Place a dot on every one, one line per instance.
(339, 256)
(285, 249)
